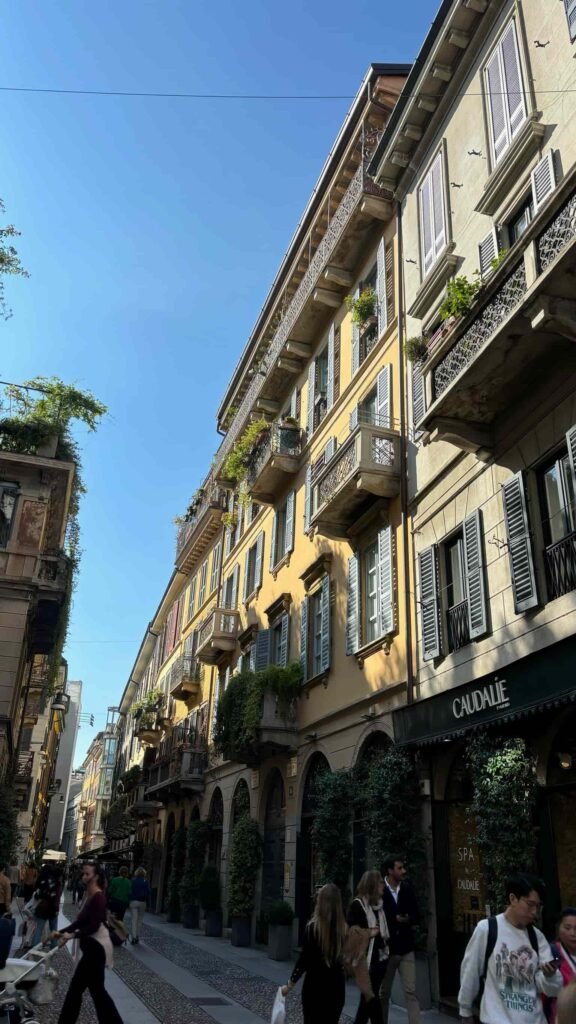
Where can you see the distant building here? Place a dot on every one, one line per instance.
(70, 830)
(98, 770)
(63, 771)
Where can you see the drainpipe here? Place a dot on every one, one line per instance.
(404, 461)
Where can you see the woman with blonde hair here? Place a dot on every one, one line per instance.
(367, 912)
(323, 991)
(139, 893)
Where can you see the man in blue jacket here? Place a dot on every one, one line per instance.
(401, 911)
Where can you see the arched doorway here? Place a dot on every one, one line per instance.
(240, 802)
(195, 816)
(274, 841)
(170, 830)
(374, 744)
(307, 874)
(216, 819)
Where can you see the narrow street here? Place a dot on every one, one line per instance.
(180, 977)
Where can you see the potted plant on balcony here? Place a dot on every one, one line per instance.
(245, 859)
(176, 872)
(416, 349)
(237, 463)
(280, 918)
(239, 711)
(209, 893)
(196, 843)
(460, 294)
(363, 308)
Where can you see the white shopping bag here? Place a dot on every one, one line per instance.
(279, 1009)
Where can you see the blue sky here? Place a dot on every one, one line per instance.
(152, 229)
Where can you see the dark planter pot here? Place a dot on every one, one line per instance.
(279, 941)
(191, 917)
(173, 916)
(213, 924)
(241, 931)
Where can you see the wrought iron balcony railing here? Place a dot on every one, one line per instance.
(198, 530)
(458, 626)
(275, 459)
(24, 766)
(217, 634)
(560, 561)
(54, 571)
(184, 677)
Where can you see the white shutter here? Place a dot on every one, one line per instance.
(495, 91)
(330, 369)
(571, 442)
(488, 251)
(429, 604)
(513, 77)
(311, 392)
(381, 287)
(329, 450)
(262, 649)
(474, 574)
(245, 590)
(289, 524)
(570, 6)
(355, 341)
(307, 498)
(304, 638)
(438, 204)
(284, 639)
(519, 544)
(543, 180)
(385, 582)
(235, 579)
(325, 609)
(216, 560)
(259, 559)
(273, 541)
(427, 241)
(353, 642)
(294, 404)
(354, 418)
(384, 397)
(418, 393)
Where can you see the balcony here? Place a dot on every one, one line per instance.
(217, 635)
(184, 678)
(197, 533)
(277, 734)
(366, 464)
(149, 728)
(560, 562)
(22, 780)
(275, 460)
(178, 772)
(521, 328)
(458, 626)
(53, 571)
(35, 705)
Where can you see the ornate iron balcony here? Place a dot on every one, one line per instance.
(24, 766)
(277, 733)
(217, 635)
(275, 459)
(458, 627)
(196, 534)
(54, 571)
(184, 678)
(560, 560)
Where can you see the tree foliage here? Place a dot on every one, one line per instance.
(196, 843)
(239, 711)
(390, 802)
(332, 826)
(504, 785)
(176, 872)
(245, 859)
(10, 264)
(9, 836)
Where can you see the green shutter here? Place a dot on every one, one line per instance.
(259, 559)
(519, 544)
(304, 638)
(355, 341)
(311, 395)
(381, 287)
(330, 374)
(353, 642)
(273, 541)
(429, 604)
(284, 640)
(289, 523)
(325, 608)
(385, 581)
(474, 574)
(307, 498)
(262, 649)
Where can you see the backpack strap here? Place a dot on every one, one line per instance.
(490, 944)
(533, 938)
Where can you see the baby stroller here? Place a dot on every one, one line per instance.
(25, 982)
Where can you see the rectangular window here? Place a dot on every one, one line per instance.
(216, 561)
(192, 596)
(280, 534)
(570, 7)
(8, 495)
(203, 581)
(457, 605)
(518, 224)
(369, 330)
(504, 93)
(276, 643)
(316, 632)
(253, 567)
(371, 592)
(432, 208)
(558, 499)
(321, 388)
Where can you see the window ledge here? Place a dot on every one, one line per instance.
(384, 643)
(315, 572)
(285, 560)
(319, 680)
(506, 174)
(251, 596)
(434, 281)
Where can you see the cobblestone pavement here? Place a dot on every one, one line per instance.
(162, 999)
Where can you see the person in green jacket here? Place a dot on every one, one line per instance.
(119, 893)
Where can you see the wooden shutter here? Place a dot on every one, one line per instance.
(273, 541)
(235, 581)
(385, 581)
(384, 397)
(519, 544)
(330, 373)
(474, 574)
(307, 498)
(543, 180)
(429, 603)
(311, 393)
(355, 341)
(329, 450)
(289, 524)
(426, 236)
(259, 559)
(390, 297)
(438, 204)
(192, 596)
(325, 609)
(216, 559)
(570, 7)
(496, 98)
(245, 589)
(294, 404)
(353, 641)
(304, 638)
(262, 649)
(487, 251)
(571, 443)
(381, 287)
(337, 364)
(354, 418)
(252, 658)
(284, 639)
(418, 393)
(513, 78)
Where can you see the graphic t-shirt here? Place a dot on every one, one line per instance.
(514, 979)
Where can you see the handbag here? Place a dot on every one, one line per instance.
(279, 1009)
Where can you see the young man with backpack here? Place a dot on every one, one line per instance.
(509, 963)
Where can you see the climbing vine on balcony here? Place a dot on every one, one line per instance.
(237, 462)
(239, 709)
(362, 307)
(151, 701)
(332, 826)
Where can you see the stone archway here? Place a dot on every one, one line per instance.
(306, 869)
(274, 840)
(170, 830)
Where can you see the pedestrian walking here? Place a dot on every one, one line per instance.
(508, 961)
(5, 892)
(367, 911)
(356, 963)
(139, 893)
(90, 928)
(324, 988)
(47, 908)
(401, 911)
(565, 948)
(28, 878)
(119, 893)
(14, 876)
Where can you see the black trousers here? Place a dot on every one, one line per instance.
(89, 974)
(372, 1011)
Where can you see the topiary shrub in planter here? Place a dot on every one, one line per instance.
(176, 872)
(196, 843)
(416, 349)
(209, 894)
(245, 859)
(332, 827)
(280, 918)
